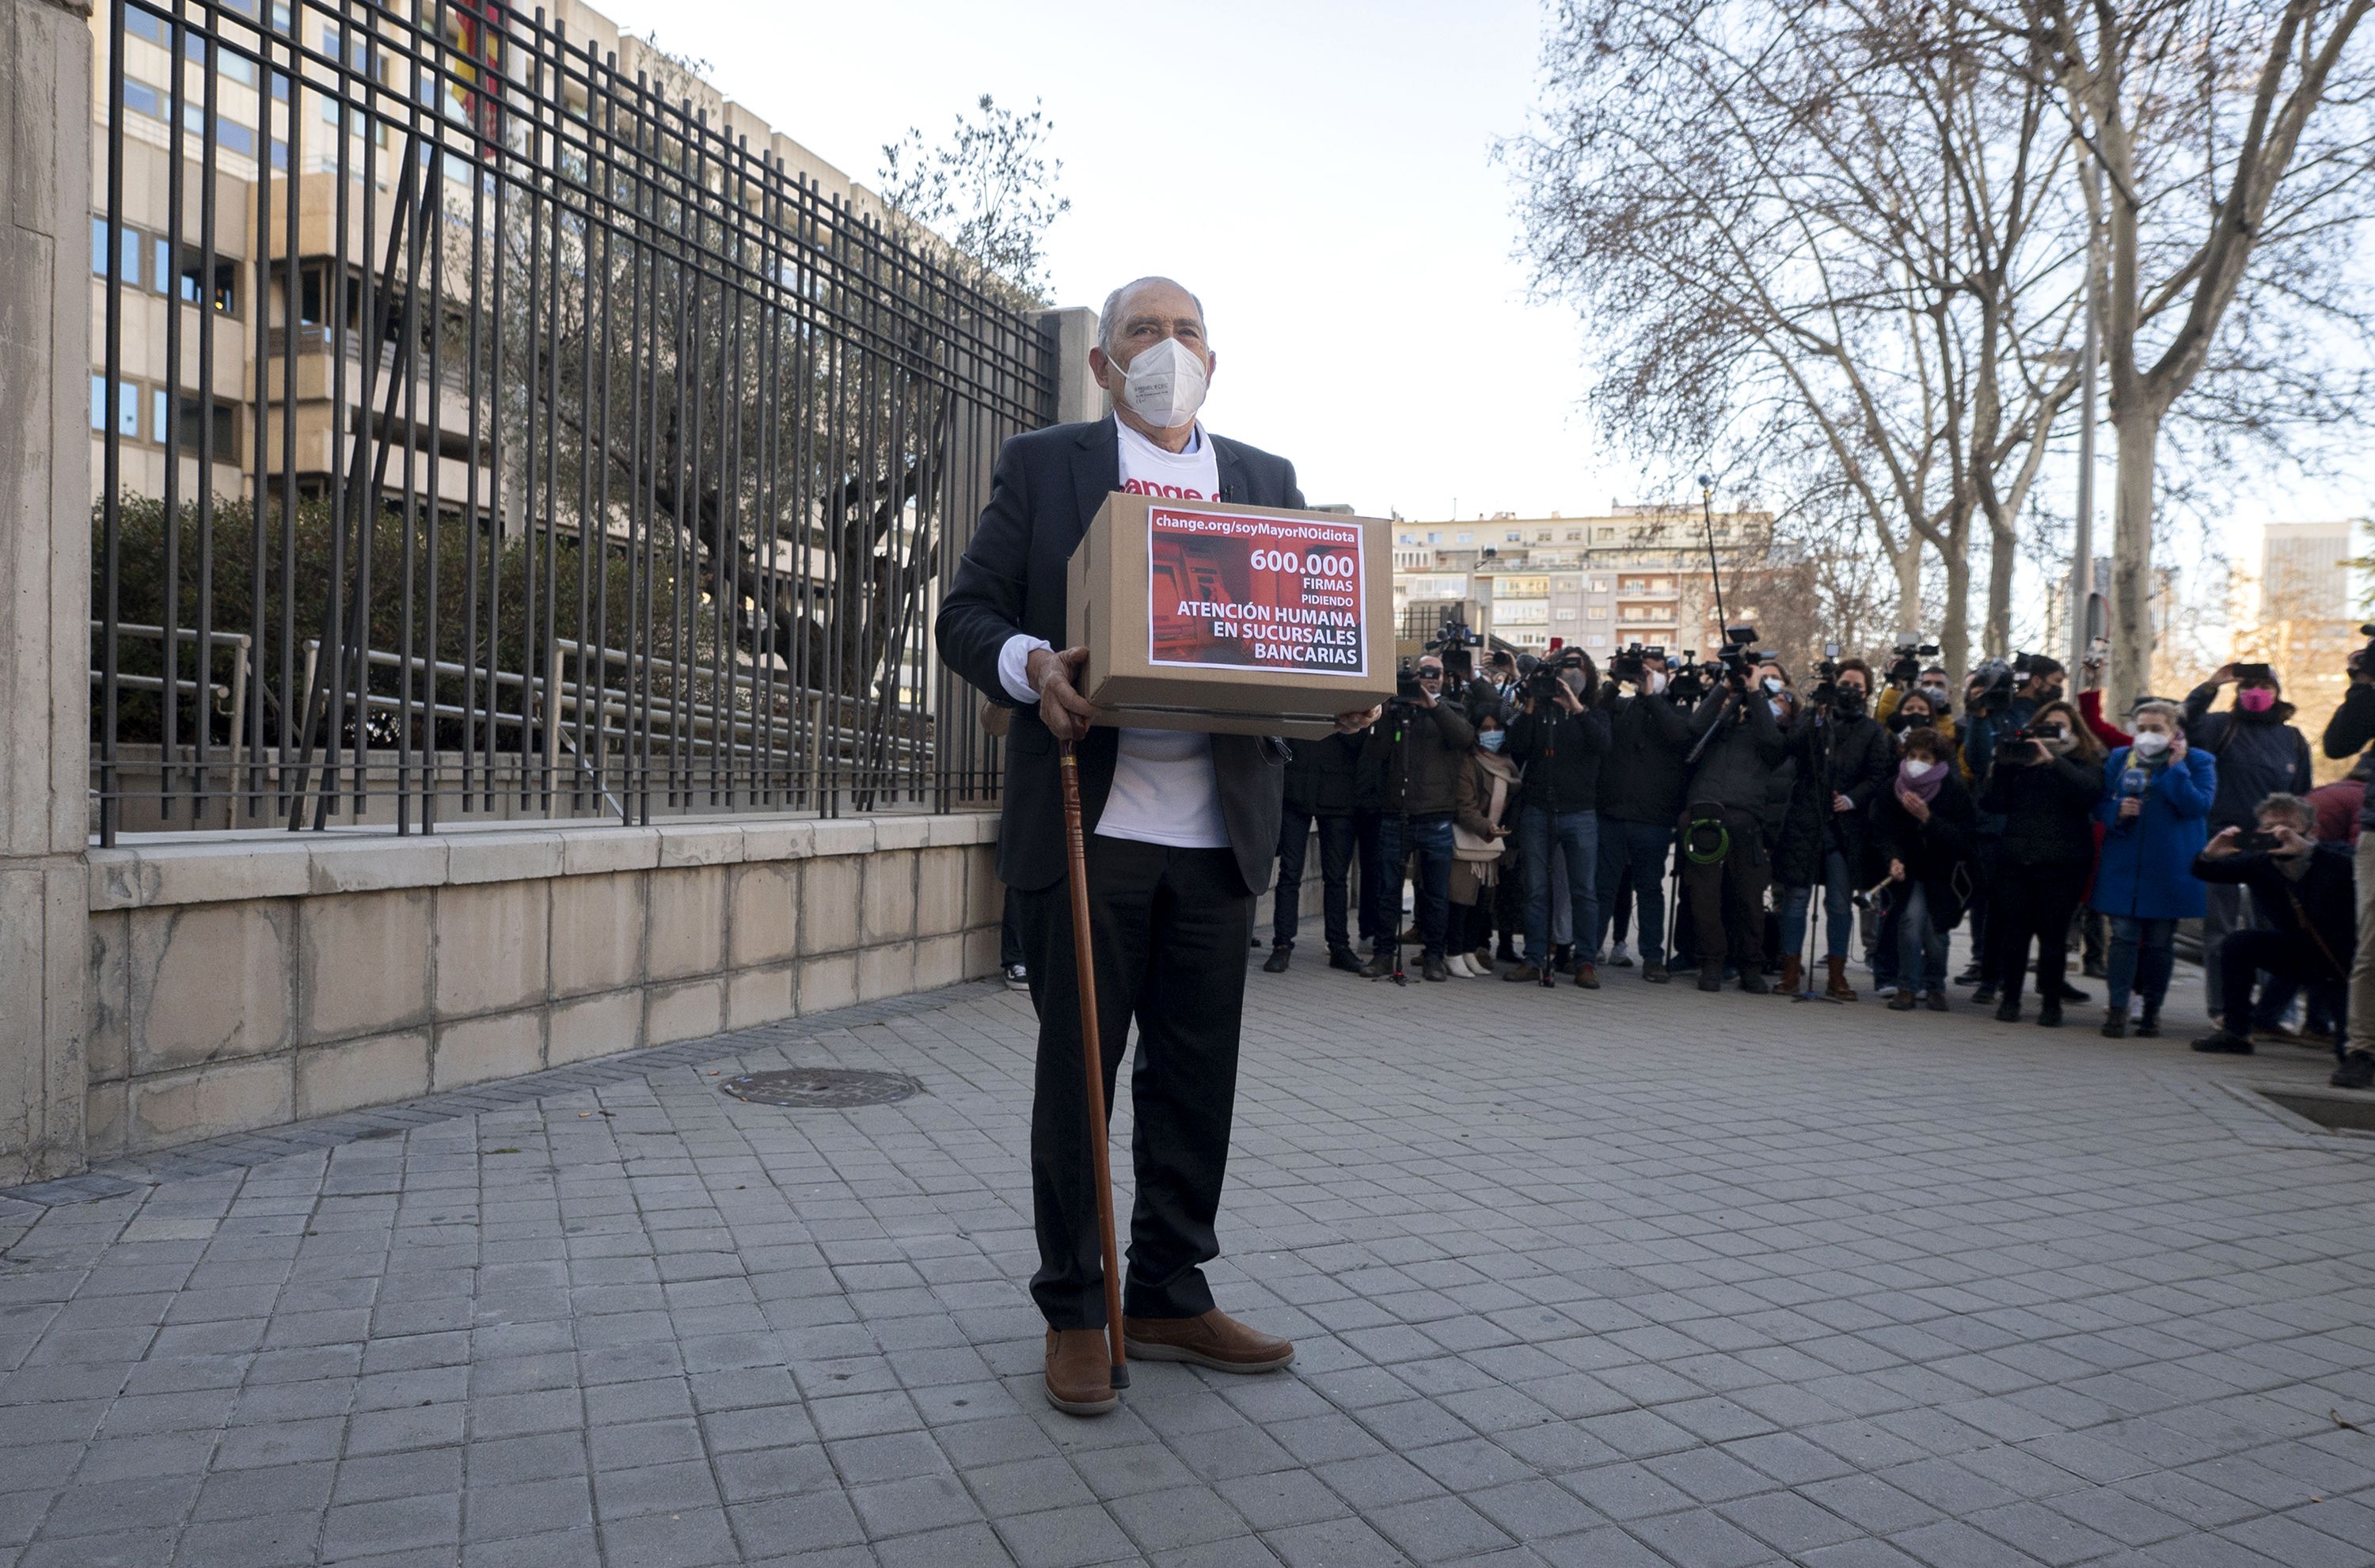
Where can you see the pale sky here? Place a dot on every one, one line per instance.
(1319, 171)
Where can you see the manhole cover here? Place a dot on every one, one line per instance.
(824, 1088)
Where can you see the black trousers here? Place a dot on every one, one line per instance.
(2032, 904)
(1727, 897)
(1336, 843)
(2285, 956)
(1171, 929)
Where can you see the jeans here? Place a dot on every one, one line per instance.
(1838, 910)
(2289, 957)
(1637, 851)
(1921, 945)
(2143, 954)
(1430, 840)
(1575, 836)
(2362, 963)
(1368, 829)
(1335, 874)
(2226, 907)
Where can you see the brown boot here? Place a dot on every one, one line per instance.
(1838, 990)
(1214, 1339)
(1793, 971)
(1080, 1376)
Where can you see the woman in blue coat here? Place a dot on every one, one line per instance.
(2154, 809)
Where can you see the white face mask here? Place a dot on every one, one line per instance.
(2151, 743)
(1165, 385)
(1773, 686)
(1657, 682)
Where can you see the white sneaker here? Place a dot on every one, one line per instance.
(1458, 964)
(1017, 977)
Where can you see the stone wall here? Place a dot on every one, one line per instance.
(242, 982)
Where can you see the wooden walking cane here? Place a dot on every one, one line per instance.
(1092, 1053)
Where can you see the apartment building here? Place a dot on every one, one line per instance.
(1637, 573)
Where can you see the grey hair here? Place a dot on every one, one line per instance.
(2169, 711)
(1113, 304)
(2292, 806)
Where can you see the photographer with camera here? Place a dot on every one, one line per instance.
(1320, 778)
(2005, 696)
(1922, 829)
(1420, 747)
(1558, 740)
(2260, 754)
(1844, 759)
(1640, 793)
(2047, 779)
(2155, 796)
(1737, 746)
(2304, 890)
(2351, 731)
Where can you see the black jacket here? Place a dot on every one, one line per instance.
(1561, 753)
(1047, 487)
(1936, 852)
(2047, 810)
(2351, 731)
(1641, 777)
(1850, 757)
(1321, 775)
(2324, 894)
(1434, 753)
(2259, 754)
(1736, 768)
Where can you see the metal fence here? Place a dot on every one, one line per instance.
(482, 429)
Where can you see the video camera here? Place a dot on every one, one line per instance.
(1905, 661)
(1541, 685)
(1737, 655)
(1687, 682)
(1826, 689)
(1995, 681)
(1632, 662)
(1454, 634)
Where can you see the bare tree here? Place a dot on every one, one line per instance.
(2234, 139)
(1829, 243)
(989, 190)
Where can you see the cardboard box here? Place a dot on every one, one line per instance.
(1239, 620)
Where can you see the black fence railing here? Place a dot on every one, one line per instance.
(481, 429)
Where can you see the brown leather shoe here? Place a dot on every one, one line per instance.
(1080, 1378)
(1838, 990)
(1215, 1339)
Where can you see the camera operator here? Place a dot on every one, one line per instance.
(1558, 740)
(1844, 759)
(1640, 795)
(2259, 754)
(1501, 671)
(2007, 696)
(1320, 779)
(2304, 890)
(2156, 796)
(1725, 859)
(1922, 828)
(1418, 786)
(2044, 786)
(2352, 730)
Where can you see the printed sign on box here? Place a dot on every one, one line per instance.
(1241, 591)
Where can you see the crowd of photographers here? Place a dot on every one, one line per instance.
(1557, 823)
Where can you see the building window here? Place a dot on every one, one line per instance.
(1435, 538)
(1465, 540)
(1598, 612)
(1575, 535)
(1566, 612)
(225, 428)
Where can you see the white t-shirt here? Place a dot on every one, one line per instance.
(1164, 788)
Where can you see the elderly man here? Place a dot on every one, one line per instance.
(1181, 828)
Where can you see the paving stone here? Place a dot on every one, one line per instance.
(1868, 1297)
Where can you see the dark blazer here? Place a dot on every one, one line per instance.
(1047, 486)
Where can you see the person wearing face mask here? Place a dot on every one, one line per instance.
(2045, 790)
(1726, 862)
(1923, 825)
(1559, 740)
(1480, 838)
(2155, 796)
(2305, 887)
(1640, 795)
(1421, 750)
(1180, 829)
(1844, 759)
(2260, 753)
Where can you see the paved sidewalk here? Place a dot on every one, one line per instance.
(1636, 1278)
